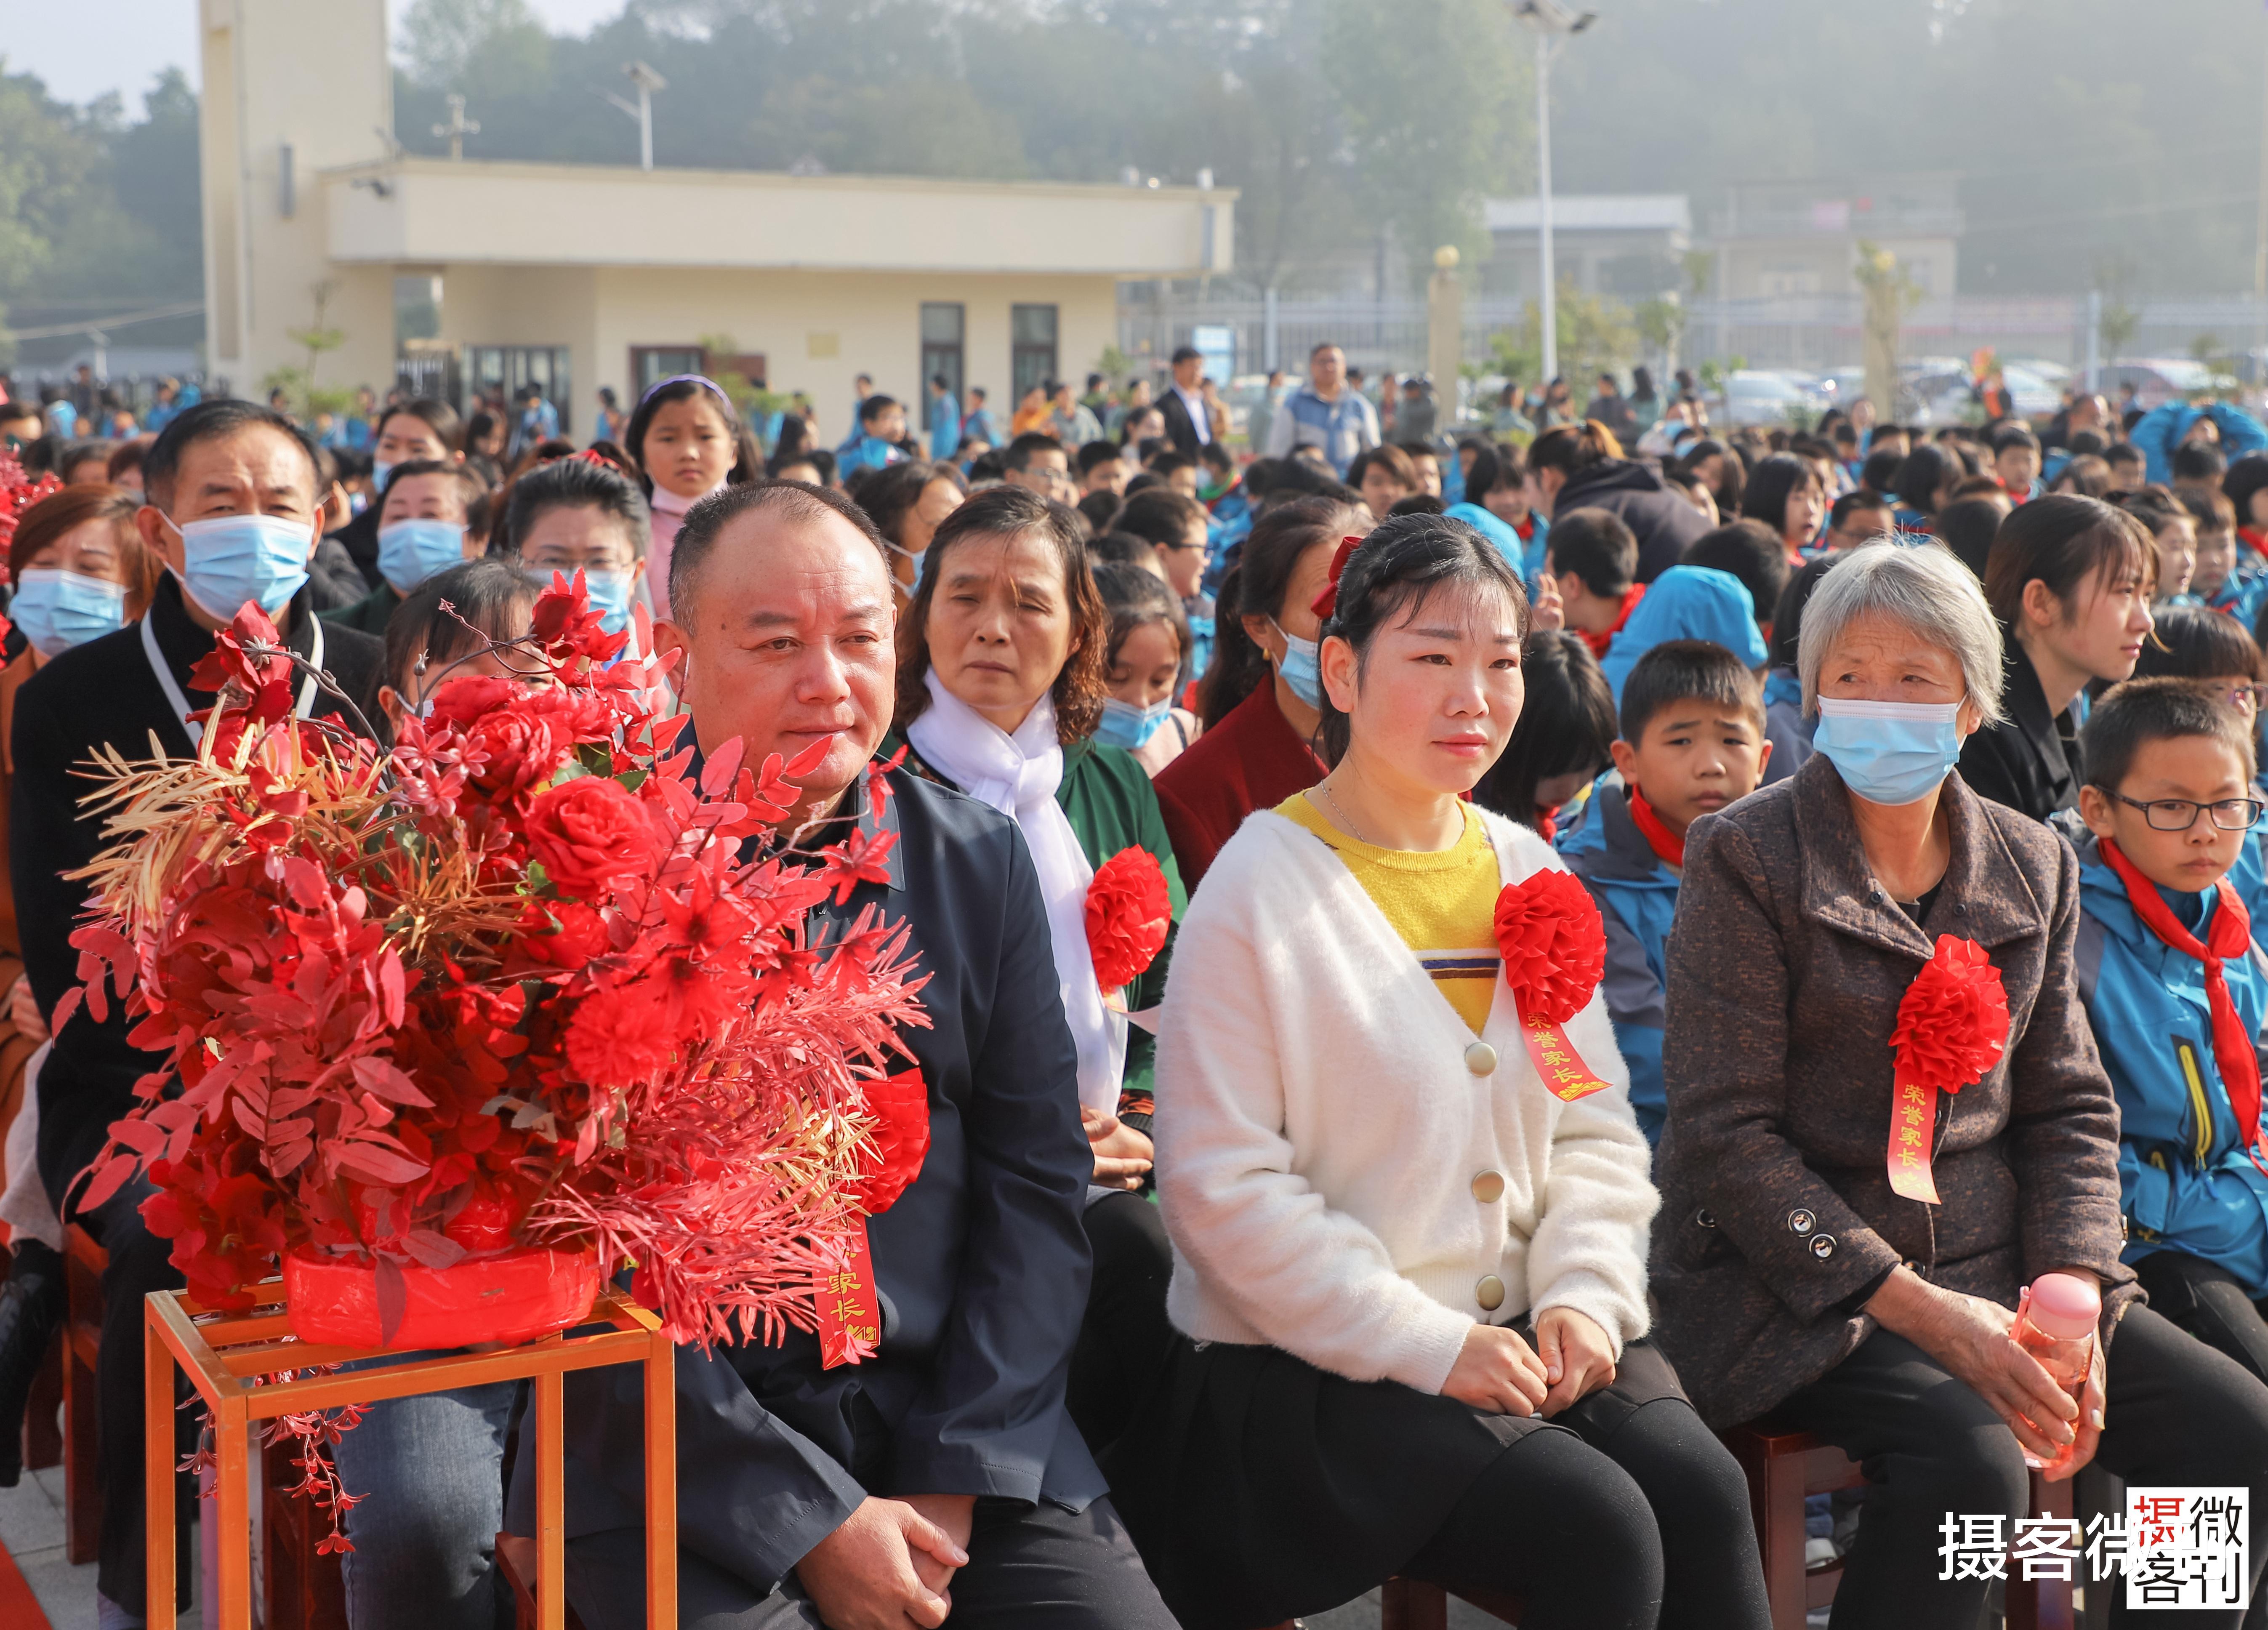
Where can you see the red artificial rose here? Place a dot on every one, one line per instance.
(1553, 945)
(513, 750)
(1128, 912)
(564, 933)
(589, 832)
(900, 1105)
(1953, 1021)
(462, 699)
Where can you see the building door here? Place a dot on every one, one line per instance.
(944, 324)
(498, 371)
(1032, 341)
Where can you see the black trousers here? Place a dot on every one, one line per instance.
(1030, 1567)
(138, 1265)
(1634, 1519)
(2175, 1412)
(1124, 1335)
(2207, 1303)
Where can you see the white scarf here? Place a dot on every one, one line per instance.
(1017, 776)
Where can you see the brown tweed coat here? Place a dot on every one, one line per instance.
(1786, 967)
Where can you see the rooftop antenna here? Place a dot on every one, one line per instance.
(458, 128)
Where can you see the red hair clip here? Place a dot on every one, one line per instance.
(1328, 601)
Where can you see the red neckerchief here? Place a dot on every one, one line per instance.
(2257, 537)
(1527, 530)
(1547, 822)
(2231, 935)
(1598, 643)
(1669, 847)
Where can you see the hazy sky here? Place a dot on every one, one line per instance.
(82, 50)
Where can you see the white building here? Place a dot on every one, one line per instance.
(505, 273)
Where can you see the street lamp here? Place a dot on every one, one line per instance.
(647, 82)
(1554, 25)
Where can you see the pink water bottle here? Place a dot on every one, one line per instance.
(2056, 1322)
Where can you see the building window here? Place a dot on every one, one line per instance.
(649, 365)
(501, 371)
(944, 325)
(1032, 338)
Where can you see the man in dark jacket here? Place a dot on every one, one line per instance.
(228, 482)
(943, 1474)
(1189, 425)
(1569, 469)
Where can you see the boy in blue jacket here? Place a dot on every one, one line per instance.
(2176, 994)
(1692, 741)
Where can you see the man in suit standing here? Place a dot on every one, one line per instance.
(1189, 425)
(232, 510)
(942, 1474)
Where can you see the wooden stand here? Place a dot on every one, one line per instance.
(226, 1354)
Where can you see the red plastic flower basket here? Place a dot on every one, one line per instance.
(514, 1297)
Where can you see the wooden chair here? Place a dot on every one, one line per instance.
(515, 1554)
(85, 1263)
(1785, 1466)
(43, 1431)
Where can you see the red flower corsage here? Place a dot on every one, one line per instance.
(900, 1105)
(1128, 912)
(1553, 945)
(1953, 1022)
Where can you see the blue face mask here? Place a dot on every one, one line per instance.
(231, 559)
(410, 551)
(379, 470)
(1890, 752)
(1302, 670)
(59, 609)
(610, 597)
(1127, 726)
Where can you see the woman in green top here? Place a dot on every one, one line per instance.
(1000, 684)
(1001, 676)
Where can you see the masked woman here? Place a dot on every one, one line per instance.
(1886, 1116)
(1261, 695)
(79, 571)
(1410, 1274)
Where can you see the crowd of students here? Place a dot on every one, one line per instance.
(1286, 1274)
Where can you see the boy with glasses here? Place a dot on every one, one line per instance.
(2176, 994)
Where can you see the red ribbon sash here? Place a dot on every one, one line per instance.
(1557, 1062)
(850, 1319)
(1913, 1125)
(849, 1312)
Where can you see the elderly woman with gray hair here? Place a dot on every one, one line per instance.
(1862, 1168)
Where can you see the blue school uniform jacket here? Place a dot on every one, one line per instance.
(2160, 432)
(1687, 602)
(1636, 896)
(1785, 726)
(2184, 1181)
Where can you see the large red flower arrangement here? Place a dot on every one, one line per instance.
(1953, 1020)
(513, 984)
(1553, 945)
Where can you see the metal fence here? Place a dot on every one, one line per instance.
(1813, 332)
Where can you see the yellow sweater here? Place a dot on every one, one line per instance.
(1443, 904)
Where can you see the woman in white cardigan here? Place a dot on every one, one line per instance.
(1410, 1277)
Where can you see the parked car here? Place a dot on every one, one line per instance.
(1760, 397)
(2158, 380)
